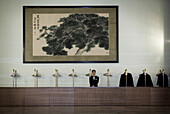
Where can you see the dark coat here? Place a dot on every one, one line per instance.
(160, 80)
(122, 82)
(94, 82)
(141, 81)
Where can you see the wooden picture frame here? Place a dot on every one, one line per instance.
(70, 34)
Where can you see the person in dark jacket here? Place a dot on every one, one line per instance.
(144, 80)
(162, 79)
(94, 80)
(126, 80)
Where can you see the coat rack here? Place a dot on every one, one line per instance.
(36, 76)
(89, 74)
(163, 76)
(14, 75)
(108, 75)
(144, 72)
(126, 76)
(73, 75)
(56, 75)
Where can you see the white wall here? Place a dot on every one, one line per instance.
(144, 38)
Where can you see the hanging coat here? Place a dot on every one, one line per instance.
(160, 80)
(141, 81)
(122, 82)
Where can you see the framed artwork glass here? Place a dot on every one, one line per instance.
(70, 34)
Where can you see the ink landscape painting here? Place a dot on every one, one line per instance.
(70, 34)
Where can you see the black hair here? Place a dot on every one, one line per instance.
(93, 70)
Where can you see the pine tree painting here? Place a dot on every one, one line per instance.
(83, 31)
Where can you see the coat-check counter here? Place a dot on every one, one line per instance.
(51, 96)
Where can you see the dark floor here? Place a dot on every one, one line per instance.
(87, 110)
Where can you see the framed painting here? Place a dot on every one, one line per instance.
(70, 34)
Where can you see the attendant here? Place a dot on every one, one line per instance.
(94, 80)
(144, 80)
(162, 79)
(126, 80)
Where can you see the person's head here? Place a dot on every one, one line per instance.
(93, 72)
